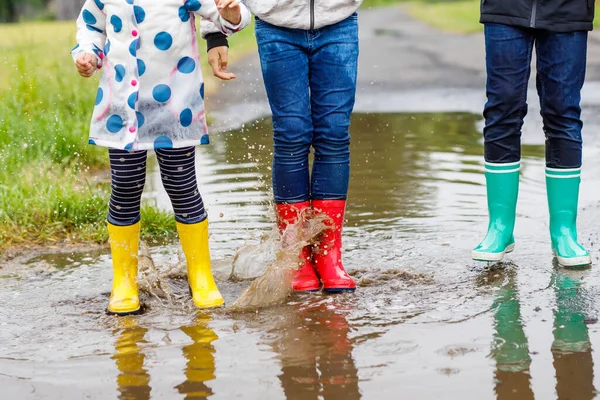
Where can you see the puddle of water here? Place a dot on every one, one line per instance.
(426, 322)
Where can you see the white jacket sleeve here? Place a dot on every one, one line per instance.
(213, 22)
(91, 31)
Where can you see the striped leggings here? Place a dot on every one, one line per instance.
(178, 173)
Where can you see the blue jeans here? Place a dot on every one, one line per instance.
(561, 63)
(310, 78)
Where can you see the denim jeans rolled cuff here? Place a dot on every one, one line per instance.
(192, 221)
(502, 151)
(291, 200)
(563, 154)
(130, 222)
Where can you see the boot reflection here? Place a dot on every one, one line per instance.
(133, 380)
(510, 348)
(571, 349)
(200, 357)
(317, 359)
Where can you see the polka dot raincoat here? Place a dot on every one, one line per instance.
(151, 92)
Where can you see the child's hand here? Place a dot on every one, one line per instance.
(230, 10)
(86, 64)
(217, 58)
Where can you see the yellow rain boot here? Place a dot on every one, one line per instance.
(124, 244)
(194, 240)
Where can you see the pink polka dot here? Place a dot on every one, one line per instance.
(134, 83)
(132, 129)
(134, 33)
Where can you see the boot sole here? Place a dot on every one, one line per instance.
(492, 257)
(583, 261)
(123, 314)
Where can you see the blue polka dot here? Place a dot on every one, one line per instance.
(128, 147)
(114, 123)
(186, 65)
(140, 118)
(129, 1)
(140, 14)
(186, 117)
(107, 47)
(163, 41)
(161, 93)
(117, 23)
(205, 140)
(184, 14)
(163, 142)
(88, 17)
(99, 4)
(132, 99)
(202, 91)
(99, 96)
(92, 142)
(134, 47)
(193, 5)
(119, 73)
(141, 67)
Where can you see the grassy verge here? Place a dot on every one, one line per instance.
(460, 16)
(48, 192)
(378, 3)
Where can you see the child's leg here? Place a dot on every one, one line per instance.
(561, 59)
(508, 64)
(178, 172)
(128, 171)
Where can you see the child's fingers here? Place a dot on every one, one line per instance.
(225, 76)
(228, 3)
(90, 58)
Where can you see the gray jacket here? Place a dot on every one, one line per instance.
(298, 14)
(303, 14)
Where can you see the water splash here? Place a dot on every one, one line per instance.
(275, 285)
(271, 263)
(166, 285)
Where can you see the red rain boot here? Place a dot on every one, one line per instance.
(305, 279)
(328, 257)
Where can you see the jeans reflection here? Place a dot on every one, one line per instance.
(571, 349)
(510, 348)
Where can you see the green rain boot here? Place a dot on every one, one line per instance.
(502, 181)
(563, 197)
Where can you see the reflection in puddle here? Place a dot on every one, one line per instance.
(200, 358)
(420, 326)
(133, 381)
(571, 349)
(316, 354)
(510, 349)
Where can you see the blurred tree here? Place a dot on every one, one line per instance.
(8, 11)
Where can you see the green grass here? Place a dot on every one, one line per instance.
(460, 16)
(378, 3)
(48, 192)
